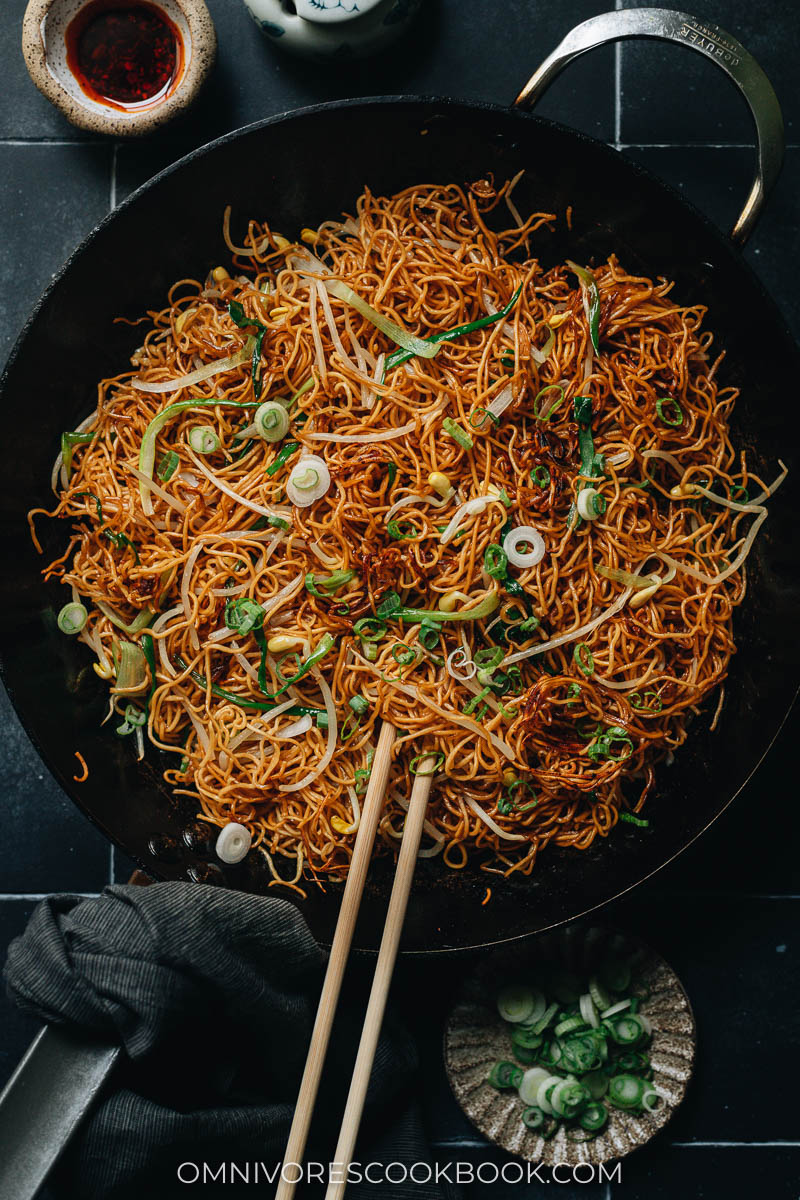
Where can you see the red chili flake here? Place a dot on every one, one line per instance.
(124, 54)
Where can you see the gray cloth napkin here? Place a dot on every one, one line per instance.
(212, 994)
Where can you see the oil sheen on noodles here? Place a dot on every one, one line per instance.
(522, 542)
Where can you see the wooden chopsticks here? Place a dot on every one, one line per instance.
(382, 979)
(387, 955)
(340, 948)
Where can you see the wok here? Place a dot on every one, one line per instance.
(296, 169)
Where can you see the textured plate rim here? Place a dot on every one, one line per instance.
(625, 1132)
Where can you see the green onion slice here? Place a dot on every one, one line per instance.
(131, 668)
(240, 318)
(167, 465)
(402, 654)
(369, 629)
(591, 301)
(72, 618)
(542, 412)
(673, 416)
(434, 762)
(68, 443)
(392, 607)
(584, 659)
(96, 499)
(408, 341)
(147, 450)
(203, 439)
(400, 533)
(449, 335)
(329, 583)
(243, 615)
(495, 562)
(283, 454)
(454, 430)
(540, 475)
(271, 421)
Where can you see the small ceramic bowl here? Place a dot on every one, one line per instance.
(332, 29)
(44, 46)
(476, 1038)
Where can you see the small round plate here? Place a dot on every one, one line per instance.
(476, 1037)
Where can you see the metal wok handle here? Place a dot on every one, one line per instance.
(709, 40)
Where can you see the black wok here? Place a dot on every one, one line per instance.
(299, 169)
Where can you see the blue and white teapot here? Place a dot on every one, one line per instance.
(328, 29)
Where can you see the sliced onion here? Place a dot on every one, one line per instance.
(631, 581)
(333, 731)
(464, 668)
(309, 480)
(470, 508)
(337, 287)
(233, 842)
(543, 647)
(511, 206)
(205, 372)
(453, 718)
(223, 487)
(386, 436)
(541, 356)
(519, 558)
(370, 395)
(239, 251)
(157, 626)
(495, 828)
(252, 731)
(297, 728)
(415, 498)
(200, 730)
(334, 332)
(437, 835)
(501, 402)
(285, 592)
(324, 558)
(152, 486)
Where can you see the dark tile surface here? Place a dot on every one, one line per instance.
(725, 913)
(467, 51)
(24, 112)
(725, 949)
(744, 853)
(717, 183)
(710, 1173)
(50, 197)
(673, 94)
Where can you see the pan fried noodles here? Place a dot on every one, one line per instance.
(397, 470)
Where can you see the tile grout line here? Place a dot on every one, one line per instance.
(467, 1143)
(47, 895)
(787, 1145)
(112, 874)
(112, 191)
(681, 895)
(617, 87)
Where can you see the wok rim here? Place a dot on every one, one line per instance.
(456, 106)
